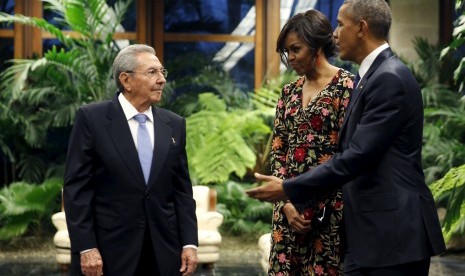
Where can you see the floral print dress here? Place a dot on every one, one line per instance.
(304, 137)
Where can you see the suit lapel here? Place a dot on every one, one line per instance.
(362, 83)
(163, 135)
(118, 129)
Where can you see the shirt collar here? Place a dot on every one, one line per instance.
(368, 60)
(130, 111)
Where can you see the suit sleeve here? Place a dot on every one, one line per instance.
(384, 104)
(78, 188)
(185, 203)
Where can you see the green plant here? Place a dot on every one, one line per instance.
(195, 73)
(242, 215)
(40, 96)
(226, 144)
(456, 46)
(444, 143)
(451, 190)
(264, 100)
(24, 205)
(221, 141)
(444, 131)
(428, 68)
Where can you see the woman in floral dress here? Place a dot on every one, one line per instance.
(306, 240)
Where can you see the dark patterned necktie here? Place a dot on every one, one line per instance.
(356, 80)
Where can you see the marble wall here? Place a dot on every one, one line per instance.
(413, 18)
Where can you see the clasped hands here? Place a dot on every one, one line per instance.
(272, 191)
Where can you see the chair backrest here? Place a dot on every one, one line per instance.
(205, 198)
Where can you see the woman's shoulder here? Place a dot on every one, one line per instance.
(344, 73)
(296, 83)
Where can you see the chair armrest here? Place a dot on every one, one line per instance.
(209, 220)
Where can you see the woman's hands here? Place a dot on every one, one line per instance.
(296, 221)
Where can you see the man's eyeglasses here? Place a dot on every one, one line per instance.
(152, 73)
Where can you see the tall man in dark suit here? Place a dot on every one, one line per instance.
(391, 223)
(129, 205)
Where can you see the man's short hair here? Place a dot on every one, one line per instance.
(126, 60)
(376, 13)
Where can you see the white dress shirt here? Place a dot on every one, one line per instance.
(368, 60)
(130, 111)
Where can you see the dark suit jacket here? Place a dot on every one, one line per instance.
(107, 203)
(389, 212)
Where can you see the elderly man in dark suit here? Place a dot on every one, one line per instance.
(391, 223)
(127, 192)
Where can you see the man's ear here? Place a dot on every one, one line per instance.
(363, 28)
(124, 78)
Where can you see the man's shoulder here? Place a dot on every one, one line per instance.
(96, 105)
(167, 113)
(395, 72)
(396, 66)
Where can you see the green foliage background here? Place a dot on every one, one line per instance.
(228, 129)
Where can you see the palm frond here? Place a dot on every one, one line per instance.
(38, 23)
(64, 115)
(32, 168)
(14, 226)
(23, 204)
(242, 215)
(438, 95)
(14, 79)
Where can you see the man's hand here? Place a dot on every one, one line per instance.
(272, 191)
(296, 221)
(189, 261)
(91, 263)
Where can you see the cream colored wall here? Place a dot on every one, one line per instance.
(410, 19)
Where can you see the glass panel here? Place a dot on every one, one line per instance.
(330, 9)
(7, 50)
(189, 59)
(47, 44)
(129, 21)
(210, 17)
(52, 17)
(7, 7)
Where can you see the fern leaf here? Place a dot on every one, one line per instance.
(452, 187)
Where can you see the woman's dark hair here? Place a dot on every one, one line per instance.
(313, 28)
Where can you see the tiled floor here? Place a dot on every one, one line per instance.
(449, 265)
(443, 266)
(231, 263)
